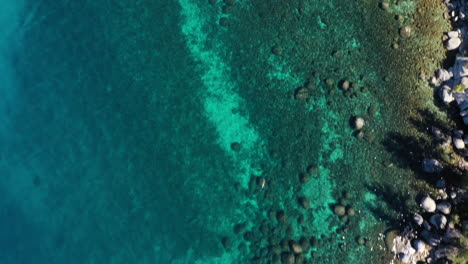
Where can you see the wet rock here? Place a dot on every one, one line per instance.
(384, 5)
(339, 210)
(312, 169)
(287, 258)
(444, 207)
(227, 243)
(358, 123)
(277, 50)
(295, 247)
(360, 240)
(345, 85)
(431, 165)
(350, 211)
(235, 146)
(304, 178)
(439, 221)
(224, 22)
(281, 217)
(240, 228)
(249, 236)
(301, 93)
(419, 245)
(453, 43)
(418, 219)
(428, 204)
(406, 32)
(304, 203)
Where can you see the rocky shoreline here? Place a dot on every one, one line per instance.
(438, 232)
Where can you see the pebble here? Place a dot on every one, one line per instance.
(444, 207)
(428, 204)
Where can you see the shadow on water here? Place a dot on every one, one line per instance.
(395, 204)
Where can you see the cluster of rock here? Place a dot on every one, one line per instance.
(453, 82)
(429, 236)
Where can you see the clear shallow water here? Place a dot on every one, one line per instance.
(118, 120)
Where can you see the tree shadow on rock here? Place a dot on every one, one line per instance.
(410, 150)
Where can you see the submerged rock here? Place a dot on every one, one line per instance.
(406, 32)
(358, 123)
(339, 210)
(428, 204)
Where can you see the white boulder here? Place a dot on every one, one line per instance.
(458, 143)
(446, 95)
(453, 43)
(419, 245)
(428, 204)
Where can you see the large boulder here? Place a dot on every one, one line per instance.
(453, 43)
(439, 221)
(443, 75)
(419, 245)
(431, 165)
(431, 238)
(428, 204)
(444, 207)
(446, 95)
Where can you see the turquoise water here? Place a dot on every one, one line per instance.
(146, 132)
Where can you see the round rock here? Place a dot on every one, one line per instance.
(339, 210)
(458, 143)
(439, 221)
(444, 207)
(358, 123)
(406, 32)
(453, 43)
(418, 219)
(428, 204)
(419, 245)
